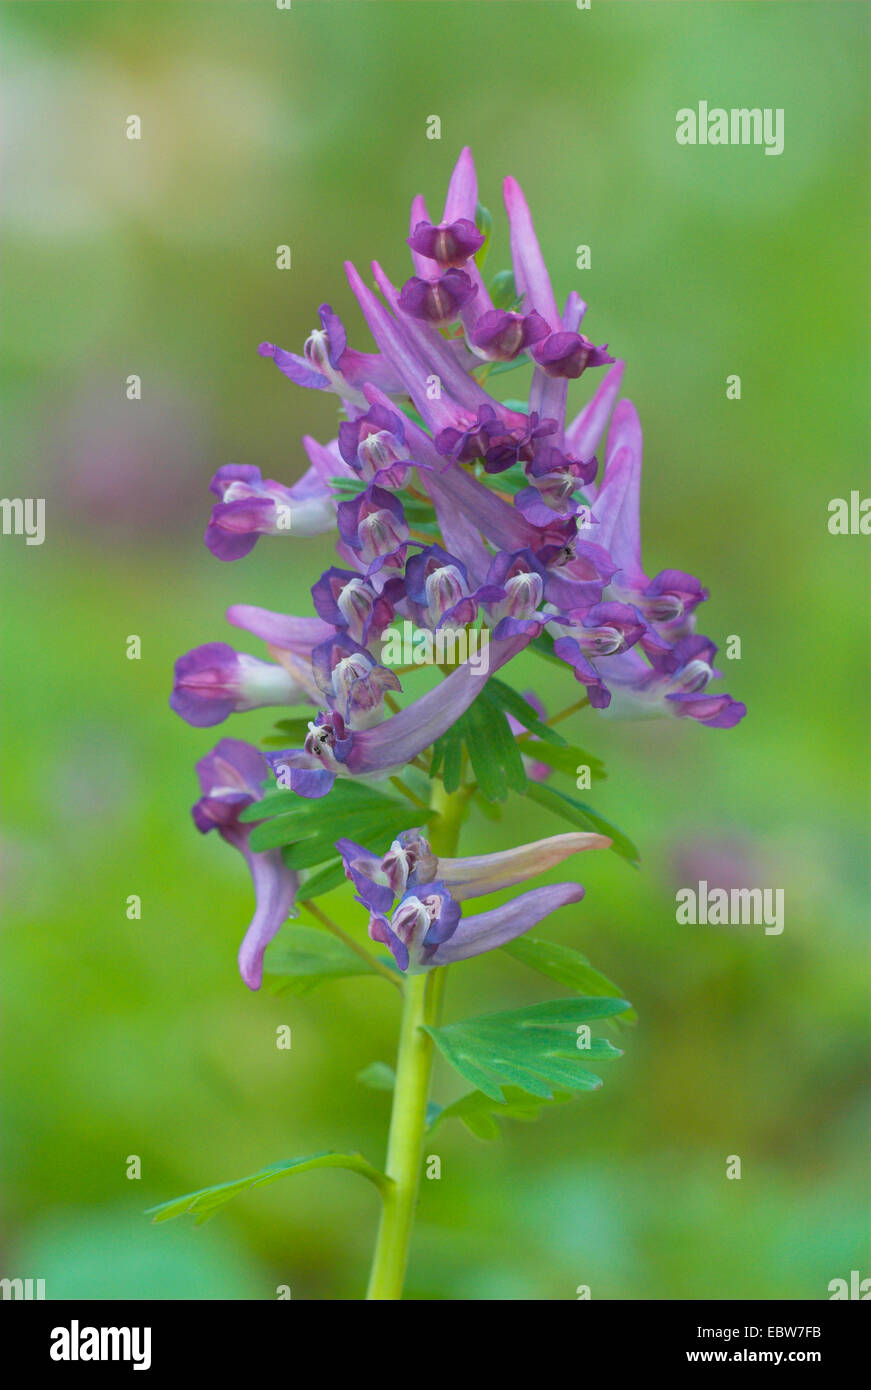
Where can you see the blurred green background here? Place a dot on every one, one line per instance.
(261, 127)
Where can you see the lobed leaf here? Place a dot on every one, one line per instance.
(323, 880)
(567, 966)
(533, 1048)
(479, 1112)
(204, 1203)
(583, 817)
(301, 958)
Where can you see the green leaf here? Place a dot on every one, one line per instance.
(479, 1112)
(344, 795)
(350, 809)
(302, 957)
(352, 486)
(534, 1048)
(491, 748)
(566, 759)
(289, 733)
(484, 223)
(207, 1200)
(447, 755)
(512, 702)
(323, 880)
(494, 755)
(377, 1076)
(583, 817)
(567, 966)
(371, 828)
(503, 292)
(521, 360)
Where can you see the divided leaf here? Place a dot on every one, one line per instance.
(583, 817)
(204, 1203)
(302, 957)
(537, 1048)
(514, 703)
(567, 966)
(310, 829)
(289, 733)
(479, 1113)
(491, 748)
(323, 880)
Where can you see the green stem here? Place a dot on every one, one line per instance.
(421, 1005)
(564, 713)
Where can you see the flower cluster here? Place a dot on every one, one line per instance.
(426, 928)
(451, 509)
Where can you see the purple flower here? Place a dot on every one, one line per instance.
(438, 587)
(374, 526)
(230, 778)
(518, 444)
(410, 863)
(426, 929)
(670, 598)
(353, 681)
(606, 628)
(250, 507)
(554, 479)
(673, 681)
(424, 919)
(349, 601)
(450, 244)
(379, 880)
(214, 681)
(718, 711)
(471, 440)
(374, 446)
(498, 335)
(328, 364)
(569, 354)
(332, 750)
(523, 565)
(569, 649)
(671, 595)
(576, 573)
(437, 301)
(530, 271)
(515, 593)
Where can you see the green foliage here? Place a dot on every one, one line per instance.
(204, 1203)
(503, 293)
(583, 817)
(323, 880)
(479, 1112)
(567, 966)
(557, 753)
(302, 957)
(484, 223)
(308, 829)
(534, 1048)
(566, 759)
(512, 702)
(289, 733)
(486, 735)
